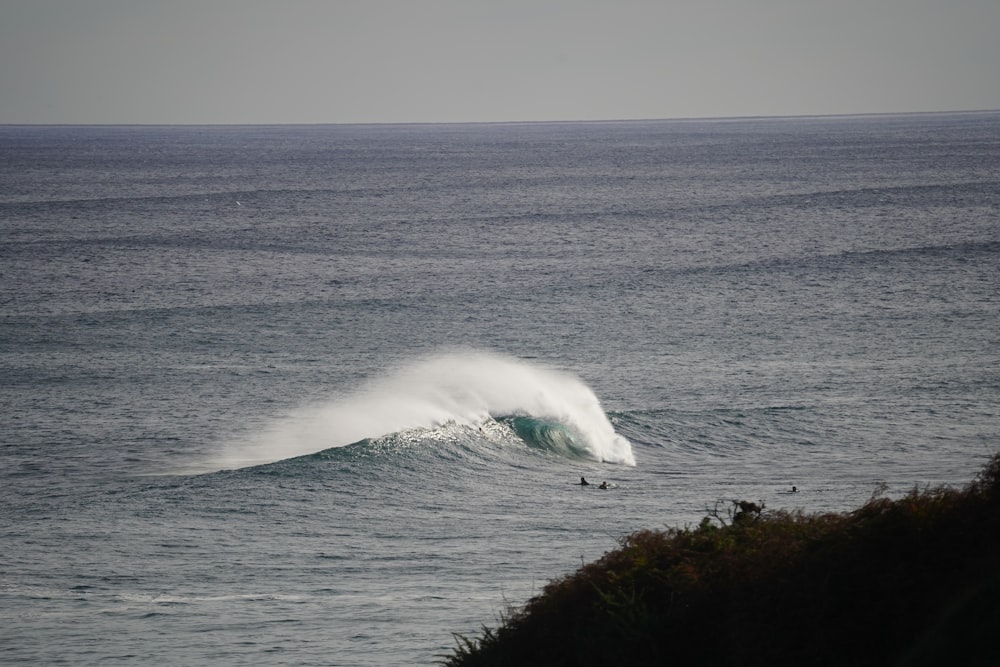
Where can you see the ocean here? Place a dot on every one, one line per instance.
(323, 395)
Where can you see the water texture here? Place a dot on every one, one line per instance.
(322, 395)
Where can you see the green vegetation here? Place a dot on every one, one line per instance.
(913, 582)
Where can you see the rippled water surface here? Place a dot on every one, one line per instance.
(321, 394)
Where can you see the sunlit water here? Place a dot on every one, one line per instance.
(321, 395)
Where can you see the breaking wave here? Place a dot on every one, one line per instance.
(547, 409)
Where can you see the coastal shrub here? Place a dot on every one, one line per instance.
(899, 581)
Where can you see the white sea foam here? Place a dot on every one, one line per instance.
(467, 388)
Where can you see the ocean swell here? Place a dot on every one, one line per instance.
(548, 409)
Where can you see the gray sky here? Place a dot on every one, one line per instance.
(358, 61)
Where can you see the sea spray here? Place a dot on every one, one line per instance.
(466, 388)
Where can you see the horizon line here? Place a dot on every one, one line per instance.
(862, 114)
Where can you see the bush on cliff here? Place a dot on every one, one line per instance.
(913, 581)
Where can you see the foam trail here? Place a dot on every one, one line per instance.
(460, 387)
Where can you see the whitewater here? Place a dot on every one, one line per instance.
(323, 395)
(467, 388)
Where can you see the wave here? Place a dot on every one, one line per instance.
(547, 409)
(549, 436)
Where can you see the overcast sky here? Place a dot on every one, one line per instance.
(378, 61)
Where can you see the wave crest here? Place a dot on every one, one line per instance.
(546, 408)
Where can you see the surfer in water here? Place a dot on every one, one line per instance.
(604, 485)
(584, 482)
